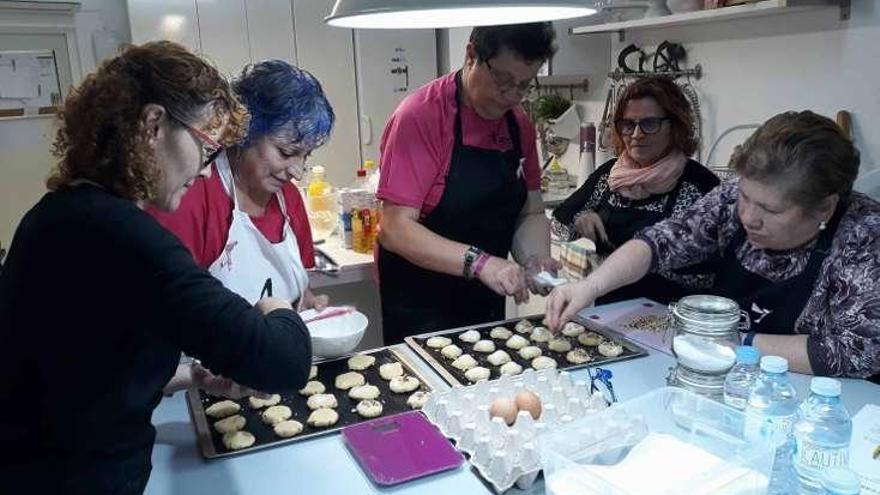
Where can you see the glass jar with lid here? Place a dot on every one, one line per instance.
(706, 335)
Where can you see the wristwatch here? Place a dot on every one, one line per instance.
(470, 256)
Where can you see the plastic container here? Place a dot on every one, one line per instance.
(840, 481)
(741, 377)
(669, 441)
(321, 205)
(822, 432)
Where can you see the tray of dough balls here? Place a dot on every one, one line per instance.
(486, 352)
(339, 393)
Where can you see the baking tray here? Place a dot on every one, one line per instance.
(455, 377)
(211, 444)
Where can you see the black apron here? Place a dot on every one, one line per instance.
(621, 224)
(773, 307)
(484, 195)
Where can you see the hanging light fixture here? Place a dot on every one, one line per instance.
(434, 14)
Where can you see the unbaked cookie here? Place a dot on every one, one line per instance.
(590, 339)
(498, 358)
(578, 356)
(369, 408)
(348, 380)
(559, 345)
(321, 401)
(500, 333)
(222, 409)
(516, 342)
(610, 349)
(313, 387)
(237, 440)
(540, 334)
(364, 392)
(572, 329)
(511, 368)
(360, 362)
(438, 342)
(524, 326)
(404, 384)
(313, 372)
(471, 336)
(276, 414)
(389, 370)
(451, 351)
(477, 374)
(464, 362)
(543, 362)
(230, 424)
(530, 352)
(258, 403)
(418, 399)
(485, 346)
(323, 417)
(289, 428)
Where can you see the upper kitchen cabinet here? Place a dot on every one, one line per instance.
(175, 20)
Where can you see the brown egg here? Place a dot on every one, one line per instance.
(504, 409)
(529, 401)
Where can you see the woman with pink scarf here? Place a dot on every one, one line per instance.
(651, 180)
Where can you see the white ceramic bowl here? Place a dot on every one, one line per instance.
(338, 335)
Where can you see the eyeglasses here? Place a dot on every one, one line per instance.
(506, 83)
(210, 147)
(650, 125)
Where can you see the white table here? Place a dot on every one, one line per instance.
(324, 465)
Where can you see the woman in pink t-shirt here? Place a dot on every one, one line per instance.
(460, 185)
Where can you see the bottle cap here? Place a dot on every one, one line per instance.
(841, 481)
(361, 172)
(827, 387)
(774, 364)
(747, 354)
(369, 164)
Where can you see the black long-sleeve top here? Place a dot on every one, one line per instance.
(97, 301)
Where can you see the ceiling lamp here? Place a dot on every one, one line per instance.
(434, 14)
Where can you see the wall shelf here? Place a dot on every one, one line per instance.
(757, 9)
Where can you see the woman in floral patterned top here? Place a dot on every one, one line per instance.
(789, 241)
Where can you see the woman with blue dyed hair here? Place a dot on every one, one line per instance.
(246, 223)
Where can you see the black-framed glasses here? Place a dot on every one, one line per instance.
(507, 84)
(650, 125)
(210, 147)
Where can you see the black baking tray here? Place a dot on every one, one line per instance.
(211, 443)
(454, 376)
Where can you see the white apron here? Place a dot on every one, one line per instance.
(249, 260)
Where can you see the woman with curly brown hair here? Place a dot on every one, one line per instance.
(126, 296)
(651, 179)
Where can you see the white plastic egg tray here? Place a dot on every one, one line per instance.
(509, 455)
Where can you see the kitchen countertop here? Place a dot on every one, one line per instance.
(353, 267)
(325, 466)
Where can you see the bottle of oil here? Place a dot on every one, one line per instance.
(321, 205)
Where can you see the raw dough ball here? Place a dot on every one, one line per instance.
(360, 362)
(312, 388)
(418, 399)
(237, 440)
(313, 372)
(438, 342)
(485, 346)
(572, 329)
(500, 333)
(524, 326)
(230, 424)
(364, 392)
(579, 356)
(470, 336)
(369, 408)
(590, 339)
(516, 342)
(321, 401)
(559, 345)
(464, 362)
(404, 384)
(610, 349)
(276, 414)
(258, 403)
(541, 334)
(543, 362)
(323, 417)
(389, 370)
(510, 368)
(289, 428)
(222, 409)
(498, 358)
(530, 352)
(348, 380)
(477, 374)
(451, 351)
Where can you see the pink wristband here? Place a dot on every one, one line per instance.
(479, 264)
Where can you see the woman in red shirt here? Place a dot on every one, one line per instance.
(246, 223)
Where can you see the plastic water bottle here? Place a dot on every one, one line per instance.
(741, 377)
(822, 432)
(770, 415)
(840, 481)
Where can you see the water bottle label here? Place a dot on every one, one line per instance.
(814, 456)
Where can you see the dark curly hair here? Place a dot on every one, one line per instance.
(101, 136)
(674, 103)
(530, 41)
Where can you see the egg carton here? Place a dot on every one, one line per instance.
(509, 455)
